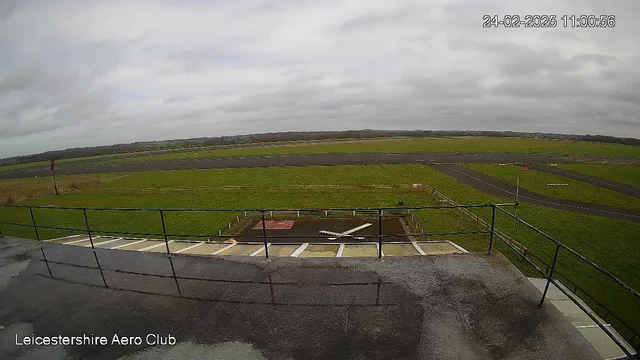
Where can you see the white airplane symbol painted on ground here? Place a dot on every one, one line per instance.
(346, 233)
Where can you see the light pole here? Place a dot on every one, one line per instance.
(53, 171)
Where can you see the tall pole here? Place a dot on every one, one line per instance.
(515, 211)
(379, 233)
(53, 170)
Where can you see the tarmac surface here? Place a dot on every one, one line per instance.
(500, 188)
(471, 306)
(302, 160)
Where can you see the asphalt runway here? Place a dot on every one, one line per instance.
(500, 188)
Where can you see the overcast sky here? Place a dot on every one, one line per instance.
(82, 73)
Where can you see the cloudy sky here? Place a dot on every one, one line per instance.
(81, 73)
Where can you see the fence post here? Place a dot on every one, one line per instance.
(33, 220)
(86, 222)
(164, 232)
(379, 233)
(553, 266)
(493, 227)
(264, 236)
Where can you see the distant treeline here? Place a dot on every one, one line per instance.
(293, 136)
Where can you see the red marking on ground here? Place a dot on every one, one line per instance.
(276, 224)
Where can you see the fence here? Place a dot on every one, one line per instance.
(520, 250)
(257, 188)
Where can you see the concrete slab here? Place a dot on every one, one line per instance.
(139, 245)
(320, 251)
(360, 251)
(569, 309)
(436, 248)
(282, 250)
(399, 250)
(206, 249)
(552, 294)
(120, 242)
(421, 307)
(87, 242)
(605, 346)
(241, 250)
(579, 318)
(173, 247)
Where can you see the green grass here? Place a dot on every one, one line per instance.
(316, 175)
(536, 181)
(460, 144)
(610, 243)
(624, 174)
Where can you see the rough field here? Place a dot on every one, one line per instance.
(159, 159)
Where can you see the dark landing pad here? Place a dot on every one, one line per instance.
(311, 227)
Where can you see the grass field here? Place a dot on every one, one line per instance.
(536, 181)
(460, 144)
(623, 174)
(610, 243)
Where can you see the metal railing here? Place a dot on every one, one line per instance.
(378, 212)
(265, 237)
(550, 270)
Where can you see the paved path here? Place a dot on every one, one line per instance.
(500, 188)
(295, 160)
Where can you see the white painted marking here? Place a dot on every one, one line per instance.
(156, 245)
(223, 249)
(458, 247)
(189, 248)
(105, 242)
(340, 250)
(299, 250)
(346, 233)
(420, 251)
(258, 251)
(63, 238)
(75, 241)
(133, 243)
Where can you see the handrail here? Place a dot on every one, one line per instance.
(262, 209)
(580, 256)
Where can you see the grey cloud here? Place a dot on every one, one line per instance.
(178, 99)
(304, 65)
(7, 7)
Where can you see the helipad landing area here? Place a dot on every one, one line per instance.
(323, 237)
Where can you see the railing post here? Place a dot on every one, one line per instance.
(264, 236)
(379, 233)
(86, 222)
(44, 257)
(493, 227)
(164, 232)
(549, 277)
(33, 220)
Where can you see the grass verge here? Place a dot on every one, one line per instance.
(537, 181)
